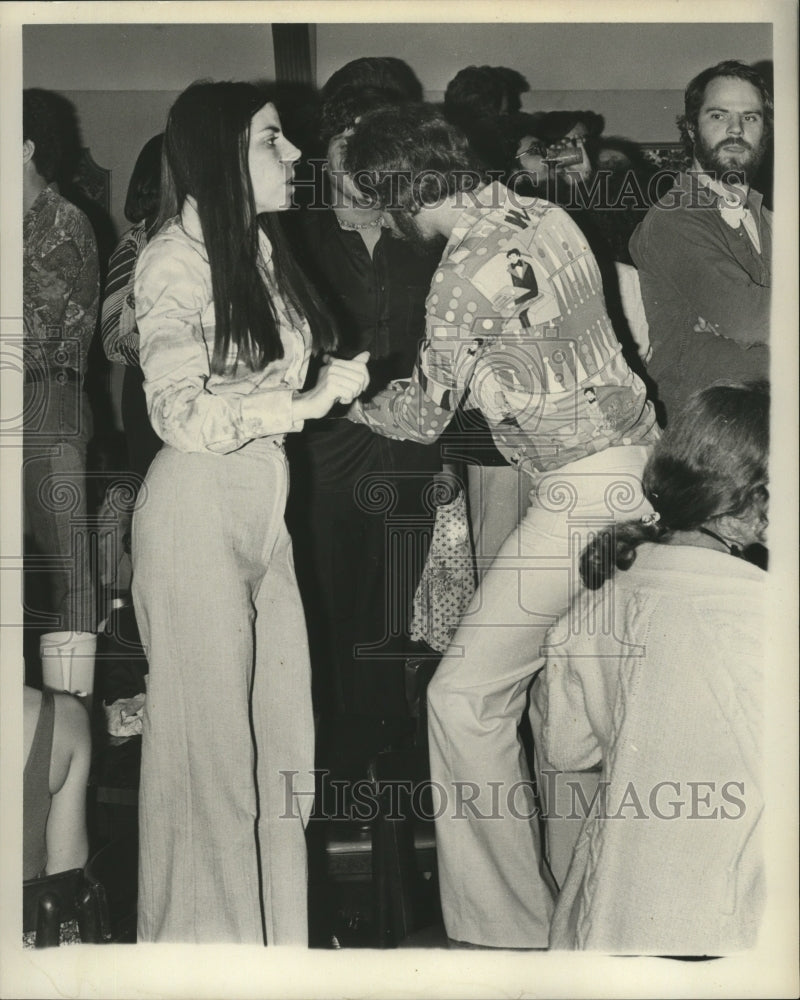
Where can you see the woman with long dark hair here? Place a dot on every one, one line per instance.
(657, 678)
(227, 326)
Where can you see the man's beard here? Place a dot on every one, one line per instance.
(406, 228)
(731, 164)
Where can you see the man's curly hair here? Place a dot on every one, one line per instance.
(343, 110)
(478, 92)
(408, 156)
(383, 72)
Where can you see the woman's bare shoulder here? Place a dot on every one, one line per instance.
(31, 706)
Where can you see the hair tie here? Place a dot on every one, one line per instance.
(651, 519)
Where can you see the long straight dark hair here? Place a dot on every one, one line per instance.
(206, 142)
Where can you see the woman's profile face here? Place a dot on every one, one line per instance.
(270, 161)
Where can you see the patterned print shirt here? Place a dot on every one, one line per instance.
(61, 284)
(118, 323)
(517, 327)
(190, 408)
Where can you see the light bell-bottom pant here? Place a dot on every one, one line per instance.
(497, 503)
(488, 842)
(222, 855)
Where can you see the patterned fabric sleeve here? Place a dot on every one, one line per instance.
(420, 409)
(118, 325)
(62, 288)
(84, 297)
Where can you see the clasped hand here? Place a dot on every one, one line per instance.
(339, 381)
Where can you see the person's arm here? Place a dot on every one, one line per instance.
(633, 308)
(83, 302)
(118, 321)
(67, 294)
(173, 296)
(420, 408)
(684, 253)
(66, 836)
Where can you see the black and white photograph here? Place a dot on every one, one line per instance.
(398, 464)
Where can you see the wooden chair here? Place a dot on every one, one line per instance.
(391, 851)
(343, 898)
(404, 846)
(53, 900)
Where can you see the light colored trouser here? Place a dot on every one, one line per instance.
(497, 502)
(489, 868)
(228, 702)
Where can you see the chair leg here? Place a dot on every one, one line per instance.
(48, 921)
(402, 874)
(394, 866)
(380, 885)
(93, 915)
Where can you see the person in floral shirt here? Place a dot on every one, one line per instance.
(61, 288)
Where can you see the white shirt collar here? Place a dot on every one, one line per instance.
(732, 206)
(733, 195)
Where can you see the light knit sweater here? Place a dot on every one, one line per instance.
(670, 699)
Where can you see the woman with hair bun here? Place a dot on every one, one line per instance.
(657, 677)
(226, 325)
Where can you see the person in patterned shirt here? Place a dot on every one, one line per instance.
(526, 361)
(61, 286)
(118, 317)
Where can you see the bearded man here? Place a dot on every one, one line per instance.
(704, 249)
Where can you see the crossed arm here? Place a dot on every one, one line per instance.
(687, 253)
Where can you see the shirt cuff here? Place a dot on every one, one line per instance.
(269, 412)
(355, 412)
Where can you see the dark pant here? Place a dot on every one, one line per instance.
(361, 518)
(57, 429)
(358, 569)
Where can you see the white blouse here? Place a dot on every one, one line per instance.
(190, 408)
